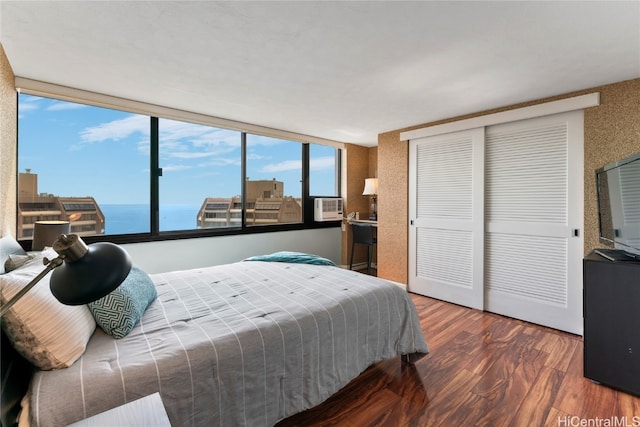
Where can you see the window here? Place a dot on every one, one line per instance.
(85, 164)
(201, 175)
(273, 188)
(136, 177)
(324, 162)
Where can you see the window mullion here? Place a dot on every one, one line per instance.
(307, 203)
(155, 174)
(243, 174)
(338, 173)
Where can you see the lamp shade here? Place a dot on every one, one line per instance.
(370, 187)
(46, 232)
(88, 272)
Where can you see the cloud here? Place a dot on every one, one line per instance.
(28, 106)
(174, 168)
(61, 106)
(287, 165)
(318, 163)
(187, 150)
(116, 130)
(221, 161)
(197, 135)
(252, 155)
(187, 155)
(194, 146)
(29, 101)
(322, 163)
(178, 140)
(171, 130)
(185, 141)
(218, 137)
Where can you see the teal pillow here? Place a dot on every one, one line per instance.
(293, 257)
(118, 312)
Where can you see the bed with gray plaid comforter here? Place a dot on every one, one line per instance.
(243, 344)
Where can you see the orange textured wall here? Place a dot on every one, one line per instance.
(393, 169)
(357, 160)
(8, 146)
(611, 133)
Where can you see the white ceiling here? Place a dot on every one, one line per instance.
(344, 70)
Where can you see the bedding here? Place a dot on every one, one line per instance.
(120, 310)
(295, 257)
(243, 344)
(8, 247)
(44, 331)
(16, 374)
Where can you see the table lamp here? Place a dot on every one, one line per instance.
(46, 232)
(82, 273)
(371, 189)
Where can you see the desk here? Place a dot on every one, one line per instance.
(363, 221)
(364, 232)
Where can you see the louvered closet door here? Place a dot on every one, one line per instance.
(446, 217)
(534, 214)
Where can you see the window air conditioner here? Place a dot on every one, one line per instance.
(327, 209)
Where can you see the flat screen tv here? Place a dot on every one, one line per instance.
(619, 206)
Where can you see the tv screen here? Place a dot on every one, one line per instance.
(619, 204)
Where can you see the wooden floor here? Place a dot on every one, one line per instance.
(482, 370)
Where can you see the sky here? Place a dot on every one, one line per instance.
(80, 150)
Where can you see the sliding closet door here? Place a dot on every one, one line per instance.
(446, 217)
(534, 213)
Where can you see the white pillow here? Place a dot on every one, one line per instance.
(16, 261)
(9, 246)
(46, 332)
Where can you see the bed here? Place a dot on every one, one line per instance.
(242, 344)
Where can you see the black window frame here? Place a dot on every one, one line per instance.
(155, 175)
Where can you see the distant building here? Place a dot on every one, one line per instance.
(265, 204)
(264, 189)
(219, 212)
(275, 210)
(83, 213)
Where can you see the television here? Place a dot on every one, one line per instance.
(618, 187)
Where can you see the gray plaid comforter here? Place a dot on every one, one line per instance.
(244, 344)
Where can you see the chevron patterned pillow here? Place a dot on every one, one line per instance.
(118, 312)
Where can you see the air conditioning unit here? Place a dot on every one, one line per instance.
(327, 209)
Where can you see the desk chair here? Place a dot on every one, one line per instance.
(362, 235)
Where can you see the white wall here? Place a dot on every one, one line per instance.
(169, 255)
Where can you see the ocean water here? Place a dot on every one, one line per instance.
(125, 219)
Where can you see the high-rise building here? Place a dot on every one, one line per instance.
(265, 204)
(83, 213)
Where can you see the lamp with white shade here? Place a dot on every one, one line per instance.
(371, 189)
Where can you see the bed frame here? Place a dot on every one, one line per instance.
(16, 375)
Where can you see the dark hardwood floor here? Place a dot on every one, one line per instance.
(482, 370)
